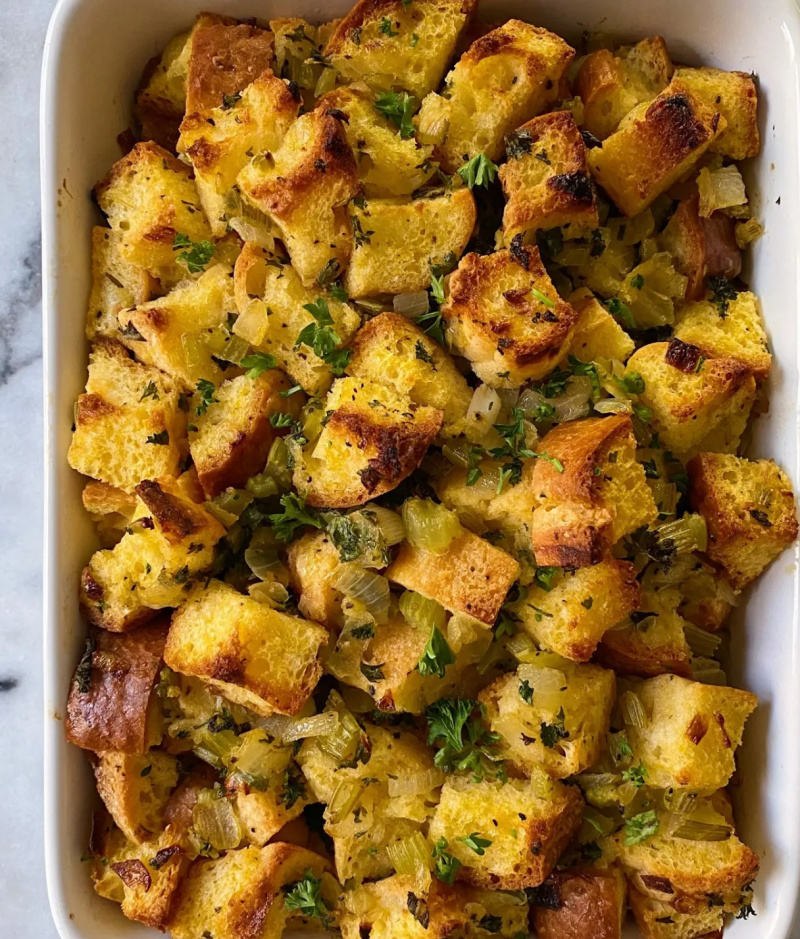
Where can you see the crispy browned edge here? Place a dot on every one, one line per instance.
(589, 899)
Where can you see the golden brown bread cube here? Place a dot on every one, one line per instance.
(654, 148)
(373, 439)
(128, 425)
(396, 244)
(545, 179)
(697, 403)
(182, 331)
(234, 433)
(682, 918)
(254, 655)
(597, 335)
(573, 616)
(111, 510)
(223, 138)
(551, 713)
(691, 731)
(116, 284)
(590, 905)
(505, 78)
(528, 823)
(611, 84)
(135, 788)
(701, 247)
(360, 46)
(304, 187)
(504, 314)
(471, 576)
(242, 895)
(734, 95)
(110, 698)
(390, 348)
(311, 561)
(749, 508)
(150, 197)
(161, 99)
(263, 812)
(583, 512)
(738, 333)
(170, 543)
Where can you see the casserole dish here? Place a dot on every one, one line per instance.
(93, 57)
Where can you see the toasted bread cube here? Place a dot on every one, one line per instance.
(110, 698)
(116, 284)
(135, 789)
(590, 905)
(224, 58)
(311, 561)
(545, 180)
(279, 315)
(223, 138)
(374, 438)
(161, 100)
(739, 334)
(242, 894)
(171, 541)
(701, 247)
(388, 165)
(505, 78)
(749, 508)
(583, 512)
(471, 576)
(653, 149)
(528, 823)
(653, 644)
(177, 333)
(697, 403)
(254, 655)
(611, 85)
(734, 95)
(553, 714)
(683, 918)
(383, 910)
(150, 197)
(111, 509)
(573, 616)
(692, 731)
(397, 244)
(504, 314)
(597, 335)
(390, 348)
(234, 433)
(304, 187)
(360, 46)
(665, 867)
(145, 878)
(263, 812)
(128, 425)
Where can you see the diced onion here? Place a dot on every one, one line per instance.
(691, 830)
(627, 792)
(411, 857)
(433, 120)
(368, 588)
(457, 452)
(463, 630)
(215, 823)
(726, 592)
(389, 522)
(747, 232)
(270, 593)
(702, 642)
(485, 408)
(633, 712)
(262, 554)
(414, 784)
(708, 672)
(720, 189)
(216, 748)
(252, 232)
(614, 406)
(422, 613)
(430, 526)
(252, 323)
(411, 305)
(325, 83)
(522, 647)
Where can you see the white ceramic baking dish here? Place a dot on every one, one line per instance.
(94, 54)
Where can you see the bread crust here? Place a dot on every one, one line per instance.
(591, 905)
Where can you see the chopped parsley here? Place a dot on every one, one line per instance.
(197, 253)
(161, 438)
(621, 312)
(526, 691)
(366, 631)
(722, 292)
(636, 775)
(544, 577)
(463, 743)
(258, 362)
(83, 673)
(422, 353)
(294, 516)
(293, 788)
(479, 171)
(637, 281)
(474, 472)
(372, 672)
(476, 843)
(385, 26)
(631, 382)
(437, 655)
(281, 419)
(552, 733)
(322, 338)
(206, 391)
(518, 143)
(150, 391)
(305, 897)
(445, 865)
(228, 101)
(360, 237)
(399, 108)
(641, 827)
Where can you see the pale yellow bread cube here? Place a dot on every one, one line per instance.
(749, 508)
(610, 85)
(150, 197)
(304, 187)
(573, 616)
(597, 335)
(683, 918)
(373, 439)
(161, 99)
(505, 78)
(590, 905)
(529, 822)
(653, 149)
(735, 96)
(110, 509)
(254, 655)
(697, 403)
(691, 732)
(504, 315)
(171, 542)
(397, 243)
(576, 699)
(311, 560)
(545, 179)
(471, 576)
(390, 348)
(128, 425)
(182, 331)
(116, 284)
(264, 812)
(359, 47)
(583, 512)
